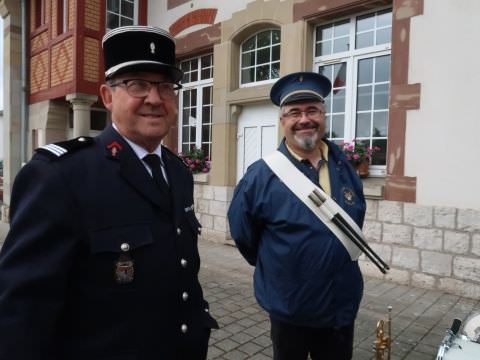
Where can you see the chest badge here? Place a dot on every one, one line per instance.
(124, 266)
(348, 195)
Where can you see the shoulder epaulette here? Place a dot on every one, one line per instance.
(62, 148)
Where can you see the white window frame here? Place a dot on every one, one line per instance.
(198, 85)
(135, 13)
(351, 58)
(240, 68)
(65, 16)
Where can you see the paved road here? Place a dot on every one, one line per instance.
(419, 316)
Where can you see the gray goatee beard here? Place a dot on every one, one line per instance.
(308, 142)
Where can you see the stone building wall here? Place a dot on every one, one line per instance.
(211, 205)
(426, 246)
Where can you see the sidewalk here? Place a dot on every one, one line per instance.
(419, 317)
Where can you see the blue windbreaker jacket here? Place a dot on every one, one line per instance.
(303, 274)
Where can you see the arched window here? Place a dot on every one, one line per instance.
(260, 58)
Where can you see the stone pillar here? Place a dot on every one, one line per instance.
(12, 59)
(224, 129)
(81, 112)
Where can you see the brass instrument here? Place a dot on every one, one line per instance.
(383, 341)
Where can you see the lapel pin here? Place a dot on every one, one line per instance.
(114, 148)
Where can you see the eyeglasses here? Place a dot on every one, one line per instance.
(295, 114)
(139, 88)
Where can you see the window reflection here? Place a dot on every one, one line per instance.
(358, 106)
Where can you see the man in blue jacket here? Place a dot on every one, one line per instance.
(101, 261)
(304, 277)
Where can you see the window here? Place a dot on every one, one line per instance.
(121, 13)
(260, 58)
(99, 118)
(39, 13)
(354, 54)
(62, 16)
(196, 104)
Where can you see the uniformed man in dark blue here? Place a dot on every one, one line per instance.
(304, 276)
(101, 261)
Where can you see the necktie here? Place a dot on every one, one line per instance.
(154, 162)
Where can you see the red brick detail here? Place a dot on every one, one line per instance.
(142, 12)
(198, 42)
(171, 4)
(332, 9)
(62, 62)
(397, 126)
(405, 9)
(401, 188)
(196, 17)
(39, 73)
(405, 96)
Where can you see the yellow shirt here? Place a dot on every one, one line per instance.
(323, 173)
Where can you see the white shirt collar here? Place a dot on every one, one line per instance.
(137, 149)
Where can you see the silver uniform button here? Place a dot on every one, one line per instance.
(179, 231)
(125, 247)
(184, 263)
(206, 310)
(184, 328)
(185, 296)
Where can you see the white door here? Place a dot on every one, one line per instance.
(257, 134)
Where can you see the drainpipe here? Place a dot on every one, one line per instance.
(23, 97)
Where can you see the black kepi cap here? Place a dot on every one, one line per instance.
(300, 86)
(139, 48)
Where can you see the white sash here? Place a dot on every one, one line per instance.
(302, 187)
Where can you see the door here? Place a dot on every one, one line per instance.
(256, 134)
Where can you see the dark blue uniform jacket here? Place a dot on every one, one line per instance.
(303, 274)
(69, 217)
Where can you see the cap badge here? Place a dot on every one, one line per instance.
(114, 148)
(152, 47)
(300, 79)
